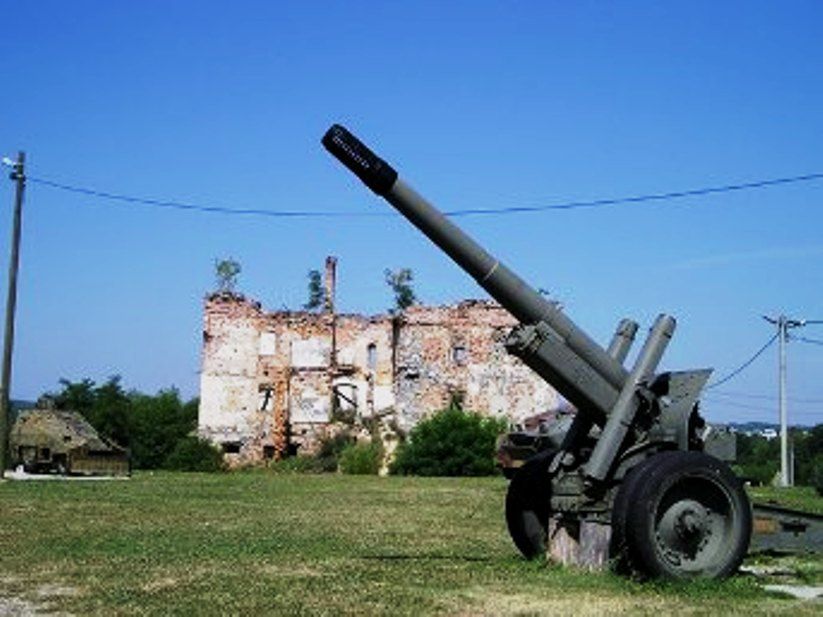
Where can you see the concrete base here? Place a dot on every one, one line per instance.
(581, 544)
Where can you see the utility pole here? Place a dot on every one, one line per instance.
(783, 324)
(18, 175)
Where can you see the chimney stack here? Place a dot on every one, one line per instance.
(331, 277)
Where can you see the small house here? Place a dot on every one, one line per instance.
(52, 440)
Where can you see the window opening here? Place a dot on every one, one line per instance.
(371, 356)
(231, 447)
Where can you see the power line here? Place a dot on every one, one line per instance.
(737, 405)
(598, 203)
(803, 339)
(764, 397)
(805, 413)
(643, 198)
(743, 366)
(177, 205)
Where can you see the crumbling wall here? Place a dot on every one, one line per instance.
(299, 347)
(278, 382)
(228, 382)
(365, 362)
(457, 352)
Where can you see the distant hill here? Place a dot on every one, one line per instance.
(757, 427)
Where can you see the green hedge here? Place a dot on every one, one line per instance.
(362, 459)
(194, 454)
(452, 442)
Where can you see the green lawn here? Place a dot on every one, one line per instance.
(800, 497)
(300, 544)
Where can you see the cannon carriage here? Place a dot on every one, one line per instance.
(634, 477)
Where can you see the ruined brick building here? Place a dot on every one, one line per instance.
(273, 382)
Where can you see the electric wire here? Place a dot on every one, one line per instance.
(597, 203)
(743, 366)
(808, 412)
(764, 397)
(641, 198)
(736, 404)
(804, 339)
(177, 205)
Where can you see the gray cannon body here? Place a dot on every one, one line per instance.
(625, 417)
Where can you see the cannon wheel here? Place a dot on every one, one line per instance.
(682, 515)
(527, 505)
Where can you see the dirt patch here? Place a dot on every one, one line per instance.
(484, 602)
(581, 604)
(17, 601)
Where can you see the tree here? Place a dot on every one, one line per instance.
(106, 407)
(151, 426)
(400, 283)
(159, 422)
(75, 396)
(317, 296)
(225, 272)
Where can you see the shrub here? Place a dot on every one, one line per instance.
(362, 458)
(759, 474)
(194, 454)
(450, 443)
(328, 455)
(301, 463)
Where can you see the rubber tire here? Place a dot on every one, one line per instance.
(621, 559)
(635, 512)
(527, 505)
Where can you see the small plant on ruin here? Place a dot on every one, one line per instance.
(400, 283)
(362, 459)
(451, 442)
(225, 273)
(317, 296)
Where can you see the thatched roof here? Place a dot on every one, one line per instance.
(58, 430)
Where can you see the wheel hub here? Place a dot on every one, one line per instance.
(691, 522)
(683, 530)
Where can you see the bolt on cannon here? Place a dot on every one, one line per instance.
(632, 478)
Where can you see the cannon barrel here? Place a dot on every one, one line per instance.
(514, 294)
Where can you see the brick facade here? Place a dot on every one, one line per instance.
(272, 382)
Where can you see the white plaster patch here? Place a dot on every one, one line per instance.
(227, 402)
(309, 407)
(310, 353)
(268, 343)
(383, 397)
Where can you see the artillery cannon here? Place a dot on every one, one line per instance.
(635, 464)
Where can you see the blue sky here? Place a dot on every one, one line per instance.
(478, 104)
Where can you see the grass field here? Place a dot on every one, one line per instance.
(800, 497)
(301, 544)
